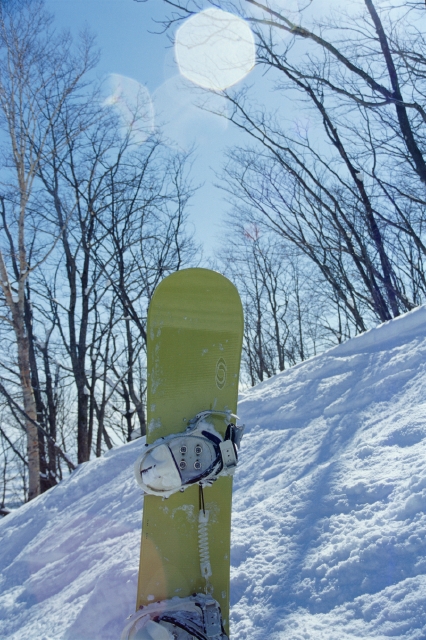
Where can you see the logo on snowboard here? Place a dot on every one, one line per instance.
(221, 373)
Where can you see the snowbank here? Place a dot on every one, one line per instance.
(329, 527)
(68, 560)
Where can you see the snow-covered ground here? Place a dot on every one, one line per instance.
(329, 526)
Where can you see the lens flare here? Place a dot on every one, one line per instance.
(215, 49)
(132, 102)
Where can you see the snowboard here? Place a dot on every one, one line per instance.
(194, 334)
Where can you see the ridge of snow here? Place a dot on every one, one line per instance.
(329, 519)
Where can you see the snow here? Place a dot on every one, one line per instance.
(329, 524)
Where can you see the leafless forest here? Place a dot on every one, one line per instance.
(325, 234)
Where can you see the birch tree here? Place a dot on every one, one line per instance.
(39, 75)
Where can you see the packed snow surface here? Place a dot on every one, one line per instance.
(329, 525)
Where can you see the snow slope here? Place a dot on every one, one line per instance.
(329, 527)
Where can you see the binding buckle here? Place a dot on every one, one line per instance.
(212, 619)
(229, 456)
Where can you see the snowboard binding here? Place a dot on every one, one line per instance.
(197, 617)
(199, 455)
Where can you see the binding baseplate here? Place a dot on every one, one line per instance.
(199, 455)
(197, 617)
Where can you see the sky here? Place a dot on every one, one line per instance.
(130, 47)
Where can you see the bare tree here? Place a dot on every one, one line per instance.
(91, 219)
(286, 311)
(39, 75)
(352, 199)
(120, 210)
(142, 238)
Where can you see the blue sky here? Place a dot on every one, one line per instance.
(123, 35)
(128, 48)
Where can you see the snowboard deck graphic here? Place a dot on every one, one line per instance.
(195, 331)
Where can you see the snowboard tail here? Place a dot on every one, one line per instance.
(195, 331)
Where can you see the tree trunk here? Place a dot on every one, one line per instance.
(30, 409)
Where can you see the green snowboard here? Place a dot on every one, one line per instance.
(195, 331)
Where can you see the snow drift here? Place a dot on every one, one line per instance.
(329, 526)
